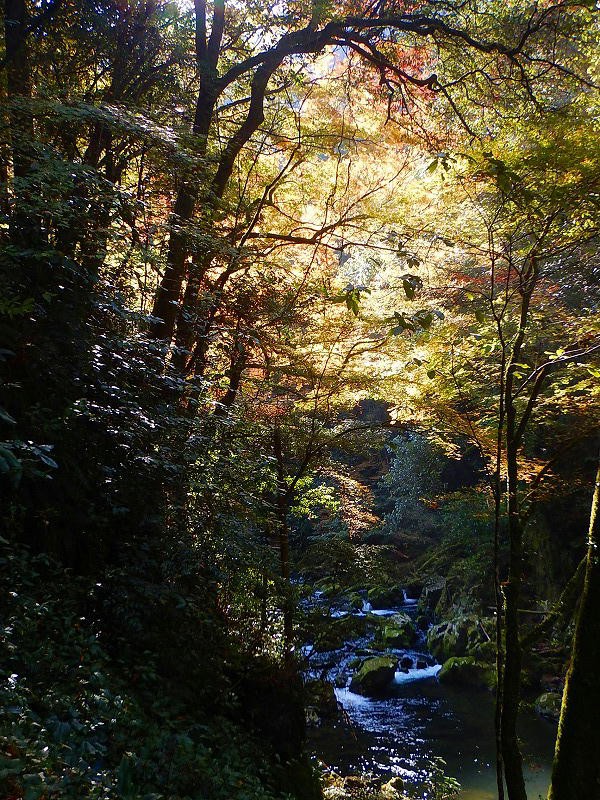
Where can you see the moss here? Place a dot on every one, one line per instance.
(374, 676)
(466, 671)
(385, 596)
(397, 631)
(460, 637)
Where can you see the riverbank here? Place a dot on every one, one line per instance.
(416, 728)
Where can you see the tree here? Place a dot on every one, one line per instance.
(575, 771)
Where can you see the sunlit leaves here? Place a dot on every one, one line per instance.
(351, 296)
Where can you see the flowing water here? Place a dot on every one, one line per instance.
(420, 720)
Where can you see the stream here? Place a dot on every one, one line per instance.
(418, 722)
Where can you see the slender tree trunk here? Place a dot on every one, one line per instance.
(498, 595)
(515, 427)
(576, 769)
(511, 684)
(284, 543)
(237, 365)
(499, 599)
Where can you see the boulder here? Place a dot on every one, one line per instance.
(374, 676)
(385, 596)
(431, 593)
(467, 672)
(355, 601)
(406, 662)
(548, 705)
(457, 637)
(341, 680)
(356, 782)
(397, 631)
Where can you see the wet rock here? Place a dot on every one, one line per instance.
(355, 782)
(548, 705)
(406, 662)
(421, 663)
(458, 637)
(467, 672)
(385, 596)
(397, 631)
(374, 676)
(431, 593)
(355, 601)
(325, 660)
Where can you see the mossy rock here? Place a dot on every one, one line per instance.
(431, 594)
(355, 601)
(385, 596)
(374, 676)
(398, 631)
(467, 672)
(548, 705)
(327, 589)
(457, 637)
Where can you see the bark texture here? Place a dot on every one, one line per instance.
(576, 769)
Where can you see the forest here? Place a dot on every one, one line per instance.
(299, 400)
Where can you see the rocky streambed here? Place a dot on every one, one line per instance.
(381, 704)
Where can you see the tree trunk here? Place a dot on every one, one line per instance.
(25, 228)
(511, 685)
(284, 543)
(576, 769)
(166, 304)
